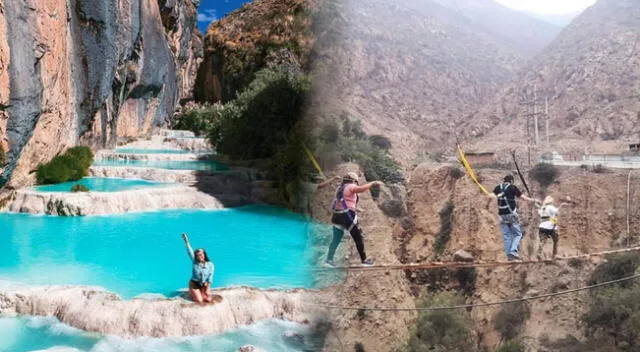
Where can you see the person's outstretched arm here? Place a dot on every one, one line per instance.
(328, 182)
(366, 186)
(189, 249)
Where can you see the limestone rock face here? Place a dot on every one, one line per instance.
(88, 72)
(95, 310)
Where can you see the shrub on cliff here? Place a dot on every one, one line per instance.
(3, 157)
(511, 318)
(613, 317)
(446, 218)
(350, 143)
(544, 173)
(70, 166)
(441, 331)
(258, 123)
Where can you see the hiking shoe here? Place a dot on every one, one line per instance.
(513, 257)
(367, 262)
(330, 263)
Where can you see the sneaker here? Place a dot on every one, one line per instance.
(330, 263)
(513, 257)
(367, 262)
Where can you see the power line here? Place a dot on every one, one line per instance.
(486, 304)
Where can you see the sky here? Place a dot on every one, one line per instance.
(211, 10)
(547, 7)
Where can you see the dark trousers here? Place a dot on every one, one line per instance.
(544, 234)
(348, 222)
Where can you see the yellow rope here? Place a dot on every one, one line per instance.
(313, 160)
(466, 165)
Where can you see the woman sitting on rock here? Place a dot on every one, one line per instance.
(201, 274)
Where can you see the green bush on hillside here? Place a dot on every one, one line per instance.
(350, 143)
(511, 318)
(440, 331)
(258, 123)
(616, 267)
(70, 166)
(544, 173)
(512, 346)
(613, 317)
(3, 157)
(446, 218)
(197, 118)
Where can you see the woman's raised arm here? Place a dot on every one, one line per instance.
(189, 249)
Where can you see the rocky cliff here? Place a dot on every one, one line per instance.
(591, 76)
(260, 34)
(594, 220)
(86, 72)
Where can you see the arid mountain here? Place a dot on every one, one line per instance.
(591, 76)
(409, 69)
(516, 29)
(560, 20)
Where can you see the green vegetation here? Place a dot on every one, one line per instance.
(349, 143)
(440, 331)
(197, 118)
(512, 346)
(446, 217)
(70, 166)
(3, 157)
(545, 174)
(79, 188)
(456, 173)
(262, 118)
(511, 318)
(467, 278)
(614, 312)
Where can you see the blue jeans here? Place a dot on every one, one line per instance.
(511, 236)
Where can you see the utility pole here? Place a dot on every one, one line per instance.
(532, 111)
(546, 116)
(535, 113)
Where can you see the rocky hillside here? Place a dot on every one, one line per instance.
(516, 29)
(410, 69)
(594, 220)
(87, 72)
(260, 34)
(591, 75)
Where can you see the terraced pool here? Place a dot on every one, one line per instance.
(137, 253)
(102, 184)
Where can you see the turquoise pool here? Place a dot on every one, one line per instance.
(102, 184)
(154, 151)
(198, 165)
(35, 333)
(139, 253)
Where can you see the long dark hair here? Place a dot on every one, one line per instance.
(206, 257)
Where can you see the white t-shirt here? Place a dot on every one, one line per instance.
(548, 211)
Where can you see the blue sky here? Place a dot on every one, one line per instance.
(211, 10)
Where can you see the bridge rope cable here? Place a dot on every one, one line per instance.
(485, 304)
(455, 265)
